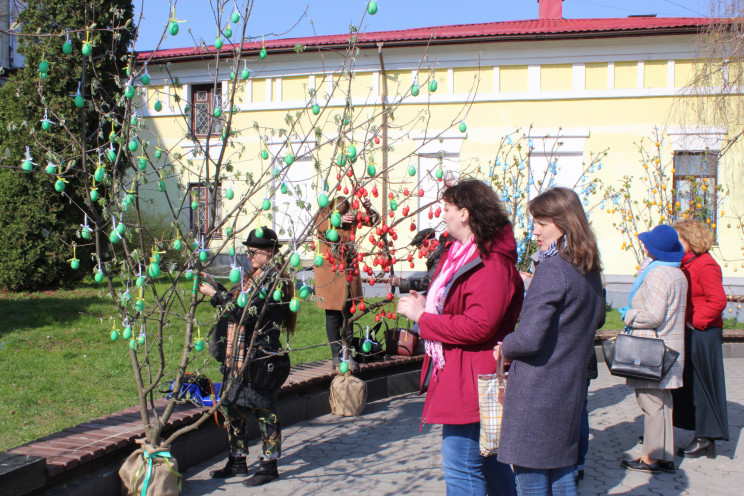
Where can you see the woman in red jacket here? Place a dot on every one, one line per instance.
(473, 301)
(700, 405)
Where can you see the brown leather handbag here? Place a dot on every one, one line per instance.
(400, 340)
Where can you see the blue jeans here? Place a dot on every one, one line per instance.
(466, 472)
(583, 435)
(542, 482)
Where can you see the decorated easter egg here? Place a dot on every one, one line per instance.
(173, 28)
(79, 102)
(75, 264)
(242, 300)
(234, 275)
(371, 170)
(372, 7)
(294, 304)
(158, 106)
(177, 245)
(87, 49)
(67, 48)
(343, 367)
(295, 260)
(98, 277)
(59, 185)
(318, 260)
(323, 200)
(266, 205)
(305, 290)
(316, 109)
(145, 79)
(199, 345)
(289, 159)
(332, 235)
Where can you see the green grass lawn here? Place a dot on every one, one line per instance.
(60, 368)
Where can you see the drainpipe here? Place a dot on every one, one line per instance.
(384, 133)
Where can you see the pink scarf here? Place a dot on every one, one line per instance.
(458, 254)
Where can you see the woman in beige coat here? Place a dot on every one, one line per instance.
(657, 304)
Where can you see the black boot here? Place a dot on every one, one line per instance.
(698, 447)
(235, 466)
(266, 473)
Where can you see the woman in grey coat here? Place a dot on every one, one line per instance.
(551, 347)
(656, 308)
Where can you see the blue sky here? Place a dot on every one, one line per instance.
(294, 18)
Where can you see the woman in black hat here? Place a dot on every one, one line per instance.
(254, 391)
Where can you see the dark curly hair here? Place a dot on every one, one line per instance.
(487, 214)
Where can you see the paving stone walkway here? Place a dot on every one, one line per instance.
(383, 452)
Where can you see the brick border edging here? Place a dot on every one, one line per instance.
(300, 401)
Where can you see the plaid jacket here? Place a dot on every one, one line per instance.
(660, 303)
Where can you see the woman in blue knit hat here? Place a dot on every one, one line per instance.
(656, 307)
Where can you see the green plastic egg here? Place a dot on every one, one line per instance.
(154, 270)
(294, 304)
(234, 275)
(433, 85)
(114, 237)
(228, 232)
(133, 120)
(45, 125)
(129, 92)
(145, 79)
(142, 163)
(463, 127)
(43, 75)
(141, 339)
(111, 154)
(157, 257)
(262, 53)
(28, 167)
(229, 194)
(114, 335)
(412, 170)
(199, 345)
(158, 153)
(127, 334)
(132, 344)
(289, 159)
(217, 112)
(235, 17)
(194, 205)
(372, 7)
(242, 300)
(245, 74)
(189, 275)
(98, 277)
(323, 200)
(139, 306)
(366, 346)
(341, 159)
(262, 293)
(140, 281)
(203, 255)
(125, 298)
(94, 195)
(332, 235)
(439, 174)
(371, 170)
(59, 185)
(264, 154)
(67, 48)
(295, 260)
(343, 367)
(351, 152)
(336, 219)
(346, 121)
(277, 295)
(266, 205)
(318, 260)
(86, 233)
(259, 232)
(133, 145)
(304, 291)
(228, 32)
(393, 205)
(121, 228)
(283, 188)
(51, 169)
(87, 49)
(231, 251)
(316, 109)
(415, 90)
(177, 245)
(161, 186)
(232, 75)
(79, 102)
(99, 174)
(173, 28)
(218, 43)
(75, 264)
(158, 106)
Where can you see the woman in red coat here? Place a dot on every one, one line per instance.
(700, 405)
(473, 301)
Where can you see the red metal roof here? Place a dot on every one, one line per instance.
(506, 30)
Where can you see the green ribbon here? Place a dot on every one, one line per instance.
(149, 457)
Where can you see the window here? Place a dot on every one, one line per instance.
(204, 99)
(695, 185)
(199, 218)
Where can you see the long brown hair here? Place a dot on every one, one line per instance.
(487, 215)
(579, 244)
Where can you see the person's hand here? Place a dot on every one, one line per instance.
(496, 352)
(395, 281)
(208, 279)
(206, 289)
(412, 306)
(526, 276)
(348, 218)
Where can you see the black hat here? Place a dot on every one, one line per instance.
(268, 239)
(427, 233)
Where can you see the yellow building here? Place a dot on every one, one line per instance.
(570, 88)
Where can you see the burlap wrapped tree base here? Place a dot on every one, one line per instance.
(150, 472)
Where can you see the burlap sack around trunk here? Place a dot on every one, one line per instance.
(348, 395)
(150, 472)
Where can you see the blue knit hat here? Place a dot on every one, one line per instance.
(663, 244)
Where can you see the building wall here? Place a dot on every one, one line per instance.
(595, 95)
